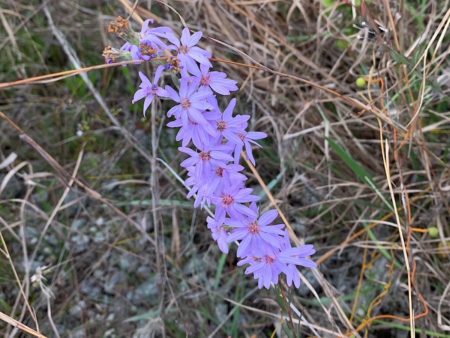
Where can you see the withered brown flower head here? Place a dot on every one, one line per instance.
(121, 27)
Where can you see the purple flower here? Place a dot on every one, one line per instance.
(217, 81)
(225, 175)
(258, 237)
(218, 138)
(218, 232)
(206, 186)
(191, 104)
(149, 90)
(232, 127)
(194, 131)
(132, 49)
(248, 138)
(231, 201)
(189, 53)
(203, 161)
(152, 35)
(146, 50)
(299, 256)
(198, 188)
(150, 45)
(296, 256)
(266, 269)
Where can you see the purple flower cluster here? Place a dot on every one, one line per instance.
(213, 140)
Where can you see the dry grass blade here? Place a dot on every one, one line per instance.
(53, 77)
(19, 325)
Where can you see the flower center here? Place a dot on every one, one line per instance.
(227, 200)
(184, 49)
(219, 171)
(241, 136)
(269, 260)
(221, 125)
(147, 49)
(152, 90)
(253, 228)
(218, 230)
(185, 103)
(173, 63)
(205, 155)
(205, 80)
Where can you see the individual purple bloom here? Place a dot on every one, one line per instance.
(148, 50)
(258, 237)
(149, 90)
(299, 256)
(150, 44)
(232, 127)
(217, 81)
(145, 51)
(215, 154)
(218, 232)
(231, 201)
(194, 131)
(198, 189)
(248, 138)
(189, 53)
(266, 269)
(132, 49)
(296, 256)
(219, 177)
(206, 158)
(191, 104)
(225, 175)
(153, 35)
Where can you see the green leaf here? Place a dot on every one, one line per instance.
(219, 270)
(354, 165)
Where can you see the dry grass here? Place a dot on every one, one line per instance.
(97, 238)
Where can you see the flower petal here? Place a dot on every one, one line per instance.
(158, 73)
(200, 55)
(139, 95)
(228, 112)
(172, 93)
(268, 217)
(194, 39)
(145, 81)
(185, 36)
(147, 102)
